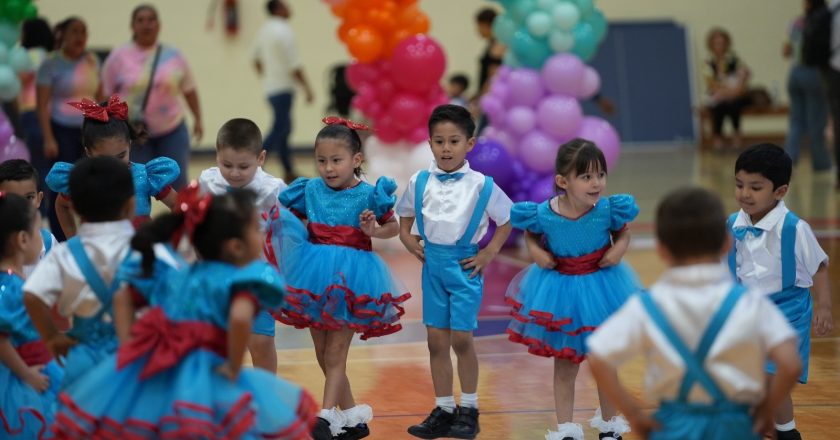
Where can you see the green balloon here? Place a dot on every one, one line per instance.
(599, 25)
(586, 7)
(503, 28)
(530, 51)
(586, 43)
(14, 10)
(521, 9)
(30, 11)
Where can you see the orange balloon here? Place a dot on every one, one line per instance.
(420, 25)
(354, 16)
(343, 30)
(404, 3)
(382, 20)
(339, 9)
(394, 40)
(365, 43)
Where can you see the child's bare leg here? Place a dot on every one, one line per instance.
(441, 364)
(565, 373)
(337, 386)
(319, 339)
(263, 353)
(785, 412)
(462, 343)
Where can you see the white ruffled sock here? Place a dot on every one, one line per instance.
(336, 418)
(617, 424)
(358, 414)
(564, 430)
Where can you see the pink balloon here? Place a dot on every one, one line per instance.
(408, 111)
(14, 149)
(418, 62)
(419, 134)
(524, 87)
(589, 84)
(385, 90)
(508, 142)
(521, 120)
(360, 73)
(602, 134)
(562, 74)
(559, 116)
(494, 109)
(538, 151)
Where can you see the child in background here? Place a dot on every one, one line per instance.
(240, 157)
(778, 255)
(29, 377)
(106, 132)
(448, 208)
(705, 338)
(178, 372)
(457, 89)
(18, 176)
(79, 275)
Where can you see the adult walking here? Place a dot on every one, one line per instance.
(830, 31)
(276, 60)
(153, 77)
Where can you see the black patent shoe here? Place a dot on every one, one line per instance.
(354, 432)
(609, 436)
(321, 430)
(466, 424)
(437, 425)
(793, 434)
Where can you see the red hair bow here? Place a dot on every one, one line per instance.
(332, 120)
(92, 110)
(193, 206)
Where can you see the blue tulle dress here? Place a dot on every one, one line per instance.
(334, 278)
(152, 179)
(164, 382)
(24, 412)
(555, 310)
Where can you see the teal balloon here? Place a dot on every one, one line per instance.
(8, 33)
(539, 23)
(521, 9)
(566, 16)
(19, 60)
(9, 84)
(547, 5)
(586, 42)
(530, 51)
(599, 25)
(561, 41)
(4, 54)
(510, 59)
(504, 28)
(586, 7)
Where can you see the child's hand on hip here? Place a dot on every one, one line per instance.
(478, 262)
(610, 258)
(59, 345)
(412, 244)
(36, 379)
(543, 258)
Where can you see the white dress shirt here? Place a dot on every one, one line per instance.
(759, 259)
(448, 206)
(58, 279)
(27, 270)
(264, 185)
(688, 297)
(275, 49)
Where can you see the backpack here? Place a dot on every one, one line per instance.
(816, 37)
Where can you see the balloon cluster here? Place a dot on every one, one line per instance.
(10, 146)
(535, 29)
(13, 60)
(399, 94)
(372, 29)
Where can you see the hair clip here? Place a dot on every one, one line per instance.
(92, 110)
(333, 120)
(193, 206)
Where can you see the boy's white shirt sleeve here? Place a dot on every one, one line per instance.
(405, 206)
(622, 336)
(499, 206)
(46, 281)
(809, 254)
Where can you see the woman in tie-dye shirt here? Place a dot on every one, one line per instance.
(68, 74)
(126, 72)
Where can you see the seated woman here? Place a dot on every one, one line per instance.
(726, 82)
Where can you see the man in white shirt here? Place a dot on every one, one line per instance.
(276, 61)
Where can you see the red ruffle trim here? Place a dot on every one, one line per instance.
(181, 425)
(37, 414)
(295, 316)
(546, 319)
(539, 348)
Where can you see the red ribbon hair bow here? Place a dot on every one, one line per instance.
(92, 110)
(332, 120)
(193, 206)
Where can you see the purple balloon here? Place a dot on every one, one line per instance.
(525, 87)
(559, 116)
(499, 89)
(589, 84)
(494, 109)
(6, 132)
(521, 120)
(543, 189)
(602, 134)
(14, 149)
(490, 157)
(538, 150)
(562, 74)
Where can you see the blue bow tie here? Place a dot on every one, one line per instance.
(740, 232)
(449, 176)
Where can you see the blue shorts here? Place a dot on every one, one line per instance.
(450, 298)
(263, 324)
(797, 306)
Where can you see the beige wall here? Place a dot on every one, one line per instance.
(228, 87)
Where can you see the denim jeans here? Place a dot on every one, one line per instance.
(278, 138)
(832, 83)
(174, 145)
(808, 115)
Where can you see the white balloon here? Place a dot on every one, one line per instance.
(566, 16)
(561, 41)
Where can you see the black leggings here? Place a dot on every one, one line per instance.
(733, 109)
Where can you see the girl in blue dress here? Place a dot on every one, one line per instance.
(577, 240)
(106, 132)
(29, 377)
(178, 372)
(336, 285)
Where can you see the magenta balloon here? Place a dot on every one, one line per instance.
(6, 132)
(494, 109)
(589, 84)
(562, 74)
(559, 116)
(358, 74)
(14, 149)
(524, 87)
(537, 151)
(419, 134)
(543, 189)
(408, 111)
(520, 120)
(418, 62)
(602, 134)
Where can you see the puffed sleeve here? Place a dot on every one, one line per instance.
(58, 179)
(523, 215)
(294, 197)
(383, 199)
(152, 288)
(161, 172)
(263, 282)
(12, 313)
(623, 210)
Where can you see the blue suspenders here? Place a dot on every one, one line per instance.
(46, 237)
(788, 249)
(475, 220)
(103, 293)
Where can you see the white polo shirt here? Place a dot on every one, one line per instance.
(275, 49)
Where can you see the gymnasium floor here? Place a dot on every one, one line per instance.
(391, 373)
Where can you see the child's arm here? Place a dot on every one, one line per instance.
(64, 213)
(823, 321)
(788, 369)
(240, 319)
(411, 242)
(486, 255)
(367, 221)
(607, 378)
(39, 312)
(31, 375)
(621, 241)
(170, 199)
(543, 258)
(123, 314)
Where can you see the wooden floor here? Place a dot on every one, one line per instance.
(391, 374)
